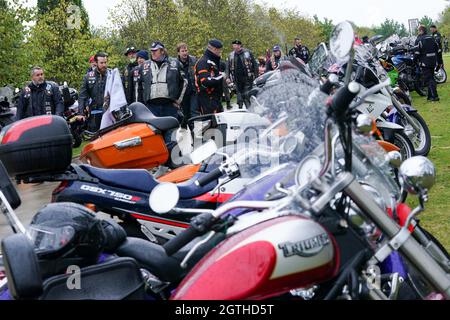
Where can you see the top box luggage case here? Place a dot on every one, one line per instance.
(36, 145)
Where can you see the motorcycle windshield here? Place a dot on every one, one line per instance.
(366, 56)
(295, 107)
(317, 60)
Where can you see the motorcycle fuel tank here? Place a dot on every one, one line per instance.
(268, 259)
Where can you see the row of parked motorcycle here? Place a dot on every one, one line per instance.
(302, 197)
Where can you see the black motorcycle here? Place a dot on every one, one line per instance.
(410, 74)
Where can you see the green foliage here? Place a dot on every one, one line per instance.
(197, 21)
(13, 56)
(390, 27)
(426, 21)
(364, 31)
(326, 26)
(444, 22)
(44, 6)
(63, 50)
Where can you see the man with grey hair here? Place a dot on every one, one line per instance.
(163, 83)
(39, 97)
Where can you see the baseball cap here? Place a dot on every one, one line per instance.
(215, 43)
(129, 50)
(237, 42)
(156, 45)
(142, 54)
(276, 48)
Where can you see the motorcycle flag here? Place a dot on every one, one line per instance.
(114, 97)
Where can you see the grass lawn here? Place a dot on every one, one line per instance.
(76, 152)
(436, 218)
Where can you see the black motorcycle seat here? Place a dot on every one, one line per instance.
(141, 114)
(153, 258)
(141, 180)
(130, 179)
(189, 189)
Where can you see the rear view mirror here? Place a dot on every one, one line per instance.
(417, 174)
(203, 152)
(164, 197)
(342, 39)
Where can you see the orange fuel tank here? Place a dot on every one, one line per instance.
(181, 174)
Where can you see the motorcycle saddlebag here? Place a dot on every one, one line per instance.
(134, 146)
(34, 145)
(115, 279)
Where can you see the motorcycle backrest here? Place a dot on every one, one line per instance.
(21, 267)
(8, 189)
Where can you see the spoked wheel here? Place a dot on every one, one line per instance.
(440, 76)
(402, 141)
(77, 140)
(421, 140)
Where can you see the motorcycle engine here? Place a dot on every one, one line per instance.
(406, 77)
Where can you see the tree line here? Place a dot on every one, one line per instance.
(57, 35)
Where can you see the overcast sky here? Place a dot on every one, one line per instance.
(362, 12)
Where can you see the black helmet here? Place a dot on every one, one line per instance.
(62, 230)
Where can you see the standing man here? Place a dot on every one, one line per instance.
(189, 103)
(92, 92)
(127, 78)
(226, 88)
(209, 79)
(427, 52)
(242, 70)
(39, 97)
(437, 37)
(136, 96)
(163, 83)
(299, 50)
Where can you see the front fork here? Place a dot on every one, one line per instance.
(403, 112)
